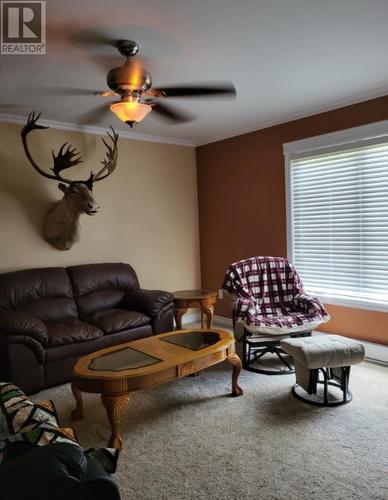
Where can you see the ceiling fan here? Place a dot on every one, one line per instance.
(132, 84)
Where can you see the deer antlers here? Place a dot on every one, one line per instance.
(111, 157)
(68, 156)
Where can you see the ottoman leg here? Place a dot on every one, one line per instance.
(340, 374)
(345, 381)
(314, 378)
(325, 386)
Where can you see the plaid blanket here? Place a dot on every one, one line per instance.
(270, 298)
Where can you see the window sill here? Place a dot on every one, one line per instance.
(352, 303)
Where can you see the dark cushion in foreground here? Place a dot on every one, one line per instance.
(55, 472)
(41, 460)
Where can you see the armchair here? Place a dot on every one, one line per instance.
(270, 305)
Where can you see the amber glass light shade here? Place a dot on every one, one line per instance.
(133, 112)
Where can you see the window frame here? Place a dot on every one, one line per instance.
(363, 135)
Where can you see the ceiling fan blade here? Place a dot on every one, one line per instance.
(95, 115)
(7, 108)
(171, 113)
(92, 37)
(61, 91)
(106, 93)
(106, 62)
(223, 89)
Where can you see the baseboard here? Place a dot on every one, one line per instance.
(196, 318)
(222, 321)
(375, 353)
(190, 318)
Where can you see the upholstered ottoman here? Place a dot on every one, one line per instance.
(329, 355)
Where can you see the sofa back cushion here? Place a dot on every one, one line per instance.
(46, 293)
(101, 286)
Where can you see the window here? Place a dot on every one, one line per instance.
(338, 221)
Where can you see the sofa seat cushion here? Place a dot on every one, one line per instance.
(60, 360)
(71, 331)
(115, 320)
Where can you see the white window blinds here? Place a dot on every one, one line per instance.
(339, 223)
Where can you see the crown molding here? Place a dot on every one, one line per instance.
(355, 99)
(361, 134)
(333, 105)
(87, 129)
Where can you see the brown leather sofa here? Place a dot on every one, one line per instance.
(49, 317)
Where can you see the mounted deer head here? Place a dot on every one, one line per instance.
(61, 224)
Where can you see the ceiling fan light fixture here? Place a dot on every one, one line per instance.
(130, 112)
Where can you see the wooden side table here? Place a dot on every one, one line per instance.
(201, 299)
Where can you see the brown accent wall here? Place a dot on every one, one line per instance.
(242, 210)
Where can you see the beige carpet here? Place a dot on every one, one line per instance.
(189, 440)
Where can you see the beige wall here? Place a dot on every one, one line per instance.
(148, 215)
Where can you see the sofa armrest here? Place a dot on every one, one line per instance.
(164, 321)
(23, 324)
(27, 341)
(149, 302)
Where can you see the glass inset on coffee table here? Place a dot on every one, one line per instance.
(194, 340)
(124, 359)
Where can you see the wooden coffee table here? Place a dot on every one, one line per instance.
(202, 299)
(116, 371)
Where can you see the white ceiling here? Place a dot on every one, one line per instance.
(287, 58)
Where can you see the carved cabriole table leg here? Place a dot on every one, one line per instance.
(236, 362)
(209, 311)
(78, 412)
(114, 405)
(178, 313)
